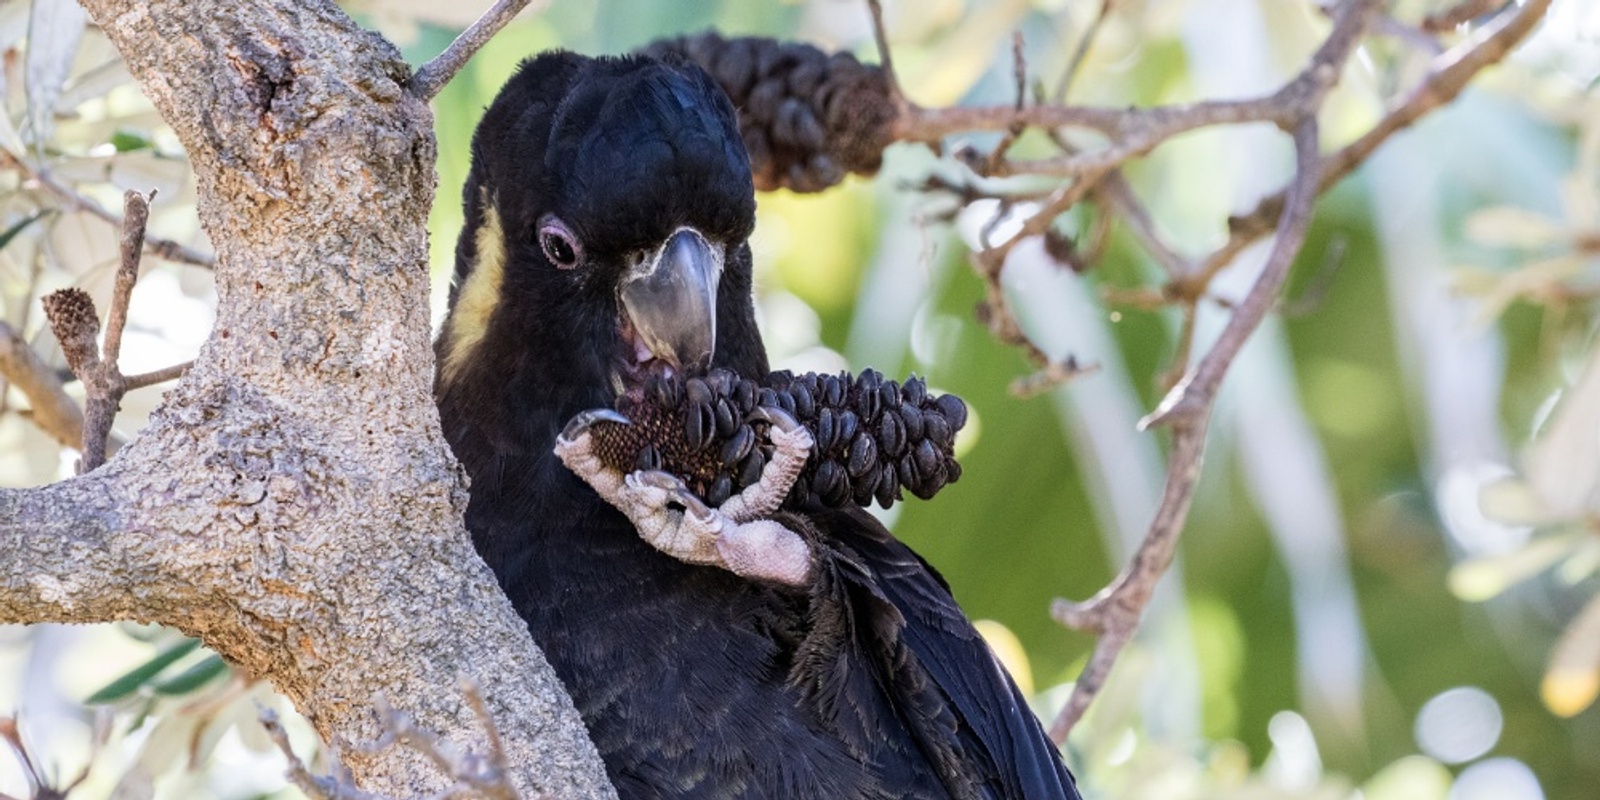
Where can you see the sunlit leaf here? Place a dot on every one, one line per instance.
(1480, 579)
(1563, 465)
(1513, 502)
(1573, 678)
(1410, 778)
(1008, 648)
(133, 679)
(1507, 226)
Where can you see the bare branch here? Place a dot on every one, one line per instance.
(161, 248)
(316, 788)
(1194, 394)
(1115, 611)
(431, 77)
(880, 35)
(1450, 75)
(53, 410)
(1455, 16)
(135, 214)
(1082, 50)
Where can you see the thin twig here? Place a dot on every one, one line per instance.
(1454, 17)
(76, 325)
(431, 77)
(1082, 51)
(165, 249)
(142, 380)
(316, 788)
(135, 215)
(52, 409)
(1115, 611)
(1454, 70)
(880, 35)
(1195, 393)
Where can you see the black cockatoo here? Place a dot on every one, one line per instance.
(734, 652)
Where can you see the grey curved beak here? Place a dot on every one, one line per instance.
(671, 299)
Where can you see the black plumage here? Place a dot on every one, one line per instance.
(867, 681)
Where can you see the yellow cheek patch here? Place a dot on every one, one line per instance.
(476, 301)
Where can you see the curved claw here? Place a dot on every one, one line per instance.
(586, 419)
(776, 417)
(672, 485)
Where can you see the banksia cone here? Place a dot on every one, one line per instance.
(871, 437)
(808, 118)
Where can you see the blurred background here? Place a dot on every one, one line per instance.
(1387, 585)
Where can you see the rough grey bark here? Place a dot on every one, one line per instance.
(293, 503)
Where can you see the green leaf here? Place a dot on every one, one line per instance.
(126, 141)
(137, 677)
(192, 678)
(19, 226)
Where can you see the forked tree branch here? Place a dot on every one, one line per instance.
(431, 77)
(1114, 613)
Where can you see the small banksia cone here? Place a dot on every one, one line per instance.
(807, 117)
(871, 437)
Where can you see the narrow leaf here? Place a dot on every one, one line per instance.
(140, 675)
(192, 678)
(1573, 678)
(19, 226)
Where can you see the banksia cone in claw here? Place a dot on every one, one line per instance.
(808, 118)
(872, 438)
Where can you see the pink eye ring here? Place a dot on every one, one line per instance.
(559, 243)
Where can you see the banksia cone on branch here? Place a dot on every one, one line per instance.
(871, 437)
(808, 118)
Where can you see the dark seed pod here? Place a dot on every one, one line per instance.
(823, 432)
(720, 381)
(862, 492)
(750, 468)
(845, 425)
(936, 429)
(889, 395)
(738, 446)
(906, 469)
(892, 435)
(698, 392)
(863, 455)
(744, 396)
(887, 489)
(698, 425)
(953, 409)
(804, 408)
(867, 405)
(927, 459)
(872, 439)
(727, 423)
(649, 458)
(914, 391)
(833, 390)
(911, 417)
(720, 490)
(831, 483)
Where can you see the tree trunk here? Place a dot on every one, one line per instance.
(293, 502)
